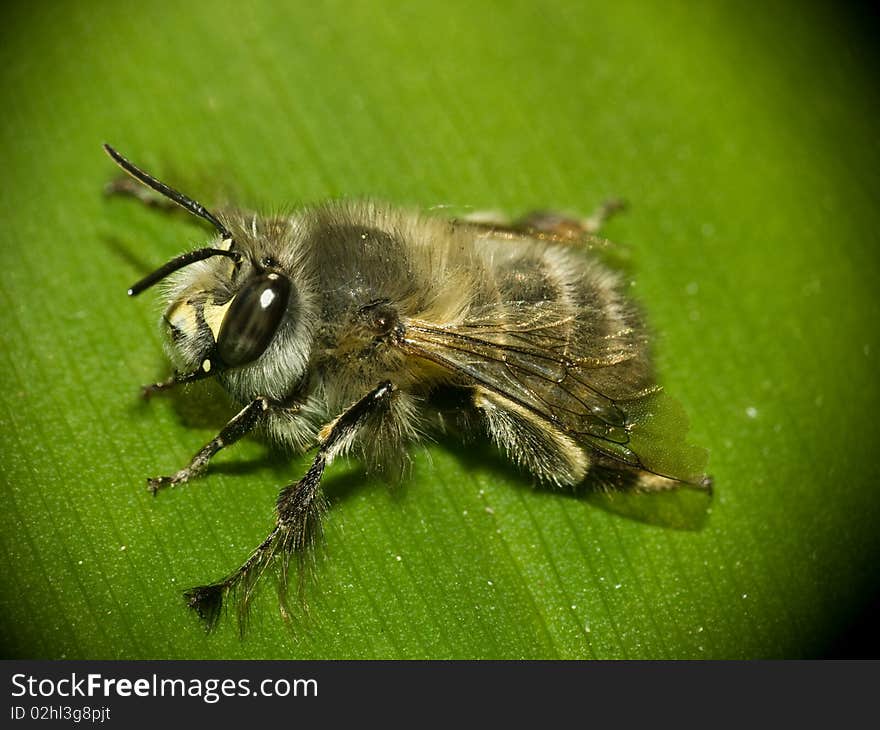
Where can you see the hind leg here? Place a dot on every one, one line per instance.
(546, 225)
(552, 456)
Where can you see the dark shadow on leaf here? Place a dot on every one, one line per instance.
(124, 252)
(679, 509)
(340, 487)
(203, 404)
(275, 461)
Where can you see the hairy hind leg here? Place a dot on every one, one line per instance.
(547, 225)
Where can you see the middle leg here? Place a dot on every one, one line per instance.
(298, 509)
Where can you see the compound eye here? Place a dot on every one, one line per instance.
(252, 319)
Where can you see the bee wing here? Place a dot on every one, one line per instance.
(657, 433)
(598, 390)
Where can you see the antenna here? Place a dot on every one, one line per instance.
(184, 202)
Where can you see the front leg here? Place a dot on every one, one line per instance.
(298, 509)
(242, 423)
(200, 373)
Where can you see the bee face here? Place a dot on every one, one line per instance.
(356, 327)
(242, 327)
(236, 320)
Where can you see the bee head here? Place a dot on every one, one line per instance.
(227, 315)
(226, 306)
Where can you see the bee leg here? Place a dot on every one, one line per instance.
(546, 225)
(487, 218)
(564, 227)
(298, 508)
(599, 217)
(242, 423)
(177, 379)
(547, 452)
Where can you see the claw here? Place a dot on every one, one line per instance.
(154, 484)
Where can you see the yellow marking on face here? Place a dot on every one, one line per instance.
(182, 316)
(214, 314)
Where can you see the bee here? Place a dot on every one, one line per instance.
(359, 328)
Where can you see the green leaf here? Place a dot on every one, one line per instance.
(746, 145)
